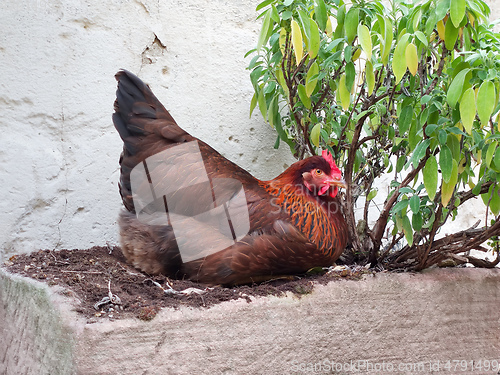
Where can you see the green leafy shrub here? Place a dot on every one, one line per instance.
(409, 90)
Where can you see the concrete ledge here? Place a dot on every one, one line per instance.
(393, 321)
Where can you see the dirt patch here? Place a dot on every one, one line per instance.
(108, 287)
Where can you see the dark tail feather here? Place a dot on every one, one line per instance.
(144, 125)
(137, 110)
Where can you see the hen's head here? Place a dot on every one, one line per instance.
(319, 174)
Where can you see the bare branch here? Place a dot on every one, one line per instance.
(439, 71)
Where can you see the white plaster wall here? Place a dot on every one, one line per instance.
(58, 148)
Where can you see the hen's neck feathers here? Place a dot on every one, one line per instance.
(291, 180)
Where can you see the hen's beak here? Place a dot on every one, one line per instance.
(339, 182)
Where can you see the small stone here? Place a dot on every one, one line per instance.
(339, 268)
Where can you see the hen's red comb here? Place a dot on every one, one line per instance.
(329, 158)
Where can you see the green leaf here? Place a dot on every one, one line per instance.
(305, 26)
(496, 159)
(450, 35)
(265, 30)
(286, 15)
(365, 40)
(420, 151)
(344, 93)
(490, 152)
(261, 100)
(348, 53)
(281, 80)
(442, 136)
(329, 27)
(417, 16)
(454, 144)
(264, 4)
(400, 163)
(495, 202)
(357, 53)
(446, 162)
(399, 58)
(411, 58)
(321, 14)
(387, 41)
(334, 44)
(401, 205)
(314, 39)
(425, 99)
(275, 15)
(468, 109)
(407, 229)
(312, 78)
(272, 110)
(442, 7)
(281, 132)
(430, 173)
(315, 131)
(405, 119)
(414, 135)
(277, 143)
(430, 128)
(372, 194)
(253, 103)
(447, 188)
(415, 203)
(422, 38)
(370, 77)
(351, 24)
(456, 88)
(255, 75)
(431, 22)
(297, 41)
(282, 40)
(440, 29)
(304, 98)
(492, 199)
(457, 12)
(417, 221)
(486, 99)
(350, 75)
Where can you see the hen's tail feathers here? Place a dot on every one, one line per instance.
(139, 114)
(144, 125)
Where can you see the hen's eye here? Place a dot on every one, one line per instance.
(318, 172)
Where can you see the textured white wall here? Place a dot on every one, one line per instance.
(59, 151)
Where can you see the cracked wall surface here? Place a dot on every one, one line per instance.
(59, 152)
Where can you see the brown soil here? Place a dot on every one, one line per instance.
(108, 287)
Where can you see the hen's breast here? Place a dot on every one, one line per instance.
(318, 219)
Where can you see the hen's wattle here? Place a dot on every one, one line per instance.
(191, 213)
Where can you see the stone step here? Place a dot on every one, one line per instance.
(387, 323)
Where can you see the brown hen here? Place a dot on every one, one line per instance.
(191, 213)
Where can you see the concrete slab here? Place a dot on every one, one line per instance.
(439, 321)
